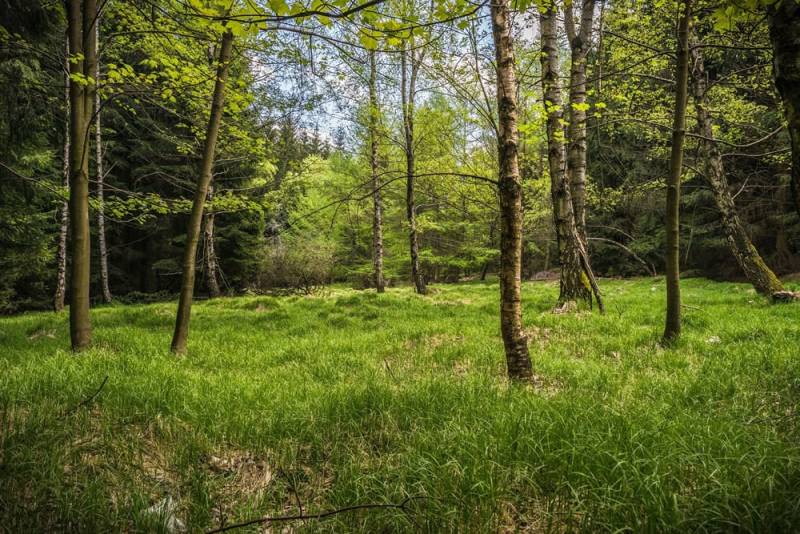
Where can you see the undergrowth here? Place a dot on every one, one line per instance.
(288, 405)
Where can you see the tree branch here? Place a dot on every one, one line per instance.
(319, 515)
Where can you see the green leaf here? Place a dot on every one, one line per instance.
(279, 7)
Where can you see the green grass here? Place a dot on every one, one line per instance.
(354, 397)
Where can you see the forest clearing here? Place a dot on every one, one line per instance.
(301, 404)
(399, 266)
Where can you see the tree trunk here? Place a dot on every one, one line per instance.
(212, 265)
(577, 279)
(510, 188)
(408, 130)
(672, 329)
(61, 258)
(84, 55)
(377, 205)
(784, 30)
(748, 258)
(580, 43)
(101, 217)
(181, 334)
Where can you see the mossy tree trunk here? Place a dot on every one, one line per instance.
(672, 328)
(510, 189)
(577, 282)
(181, 335)
(580, 43)
(763, 279)
(784, 30)
(377, 204)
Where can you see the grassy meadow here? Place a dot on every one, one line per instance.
(296, 405)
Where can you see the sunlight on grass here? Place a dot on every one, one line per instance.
(353, 397)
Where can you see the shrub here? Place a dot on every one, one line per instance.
(300, 264)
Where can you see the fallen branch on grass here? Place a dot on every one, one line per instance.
(87, 400)
(403, 506)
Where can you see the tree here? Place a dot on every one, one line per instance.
(784, 30)
(580, 40)
(61, 254)
(577, 281)
(181, 335)
(510, 185)
(81, 18)
(212, 265)
(377, 205)
(98, 142)
(408, 83)
(672, 329)
(748, 258)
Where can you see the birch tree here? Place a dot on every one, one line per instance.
(753, 266)
(510, 191)
(98, 142)
(63, 217)
(577, 281)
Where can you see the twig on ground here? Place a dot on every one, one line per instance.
(320, 515)
(87, 400)
(292, 489)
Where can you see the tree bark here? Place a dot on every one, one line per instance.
(577, 280)
(784, 30)
(61, 257)
(672, 328)
(377, 205)
(101, 217)
(212, 265)
(81, 19)
(515, 341)
(763, 279)
(580, 43)
(408, 131)
(181, 334)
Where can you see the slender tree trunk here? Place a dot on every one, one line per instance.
(784, 30)
(577, 279)
(101, 217)
(212, 265)
(408, 130)
(84, 54)
(672, 329)
(377, 205)
(763, 279)
(181, 335)
(580, 43)
(510, 188)
(61, 257)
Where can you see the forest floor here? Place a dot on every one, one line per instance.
(297, 405)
